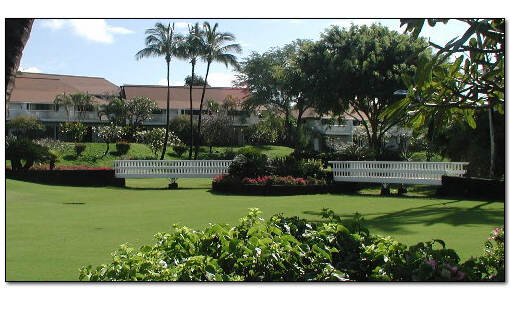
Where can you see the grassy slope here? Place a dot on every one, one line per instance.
(92, 155)
(51, 230)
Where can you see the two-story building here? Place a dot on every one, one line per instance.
(34, 93)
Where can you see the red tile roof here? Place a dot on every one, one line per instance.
(43, 88)
(179, 96)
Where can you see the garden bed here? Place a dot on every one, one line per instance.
(69, 176)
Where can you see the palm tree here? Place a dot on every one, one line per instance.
(161, 41)
(192, 48)
(217, 48)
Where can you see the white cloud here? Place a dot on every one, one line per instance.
(54, 24)
(346, 23)
(29, 69)
(220, 79)
(97, 30)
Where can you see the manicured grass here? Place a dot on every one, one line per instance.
(93, 154)
(51, 231)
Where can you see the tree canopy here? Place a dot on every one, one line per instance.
(358, 70)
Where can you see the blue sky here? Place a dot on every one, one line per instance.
(106, 47)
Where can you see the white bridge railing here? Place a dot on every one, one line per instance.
(395, 171)
(170, 168)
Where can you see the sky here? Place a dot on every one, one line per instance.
(107, 47)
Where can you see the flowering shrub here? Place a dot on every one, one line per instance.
(73, 131)
(155, 139)
(280, 249)
(55, 145)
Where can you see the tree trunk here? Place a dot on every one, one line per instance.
(167, 109)
(201, 106)
(191, 109)
(493, 145)
(17, 32)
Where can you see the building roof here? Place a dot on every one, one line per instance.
(43, 88)
(179, 96)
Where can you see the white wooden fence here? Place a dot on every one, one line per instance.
(170, 168)
(395, 171)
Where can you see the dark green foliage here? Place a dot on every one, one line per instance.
(19, 149)
(179, 149)
(79, 148)
(181, 127)
(25, 126)
(297, 167)
(250, 163)
(197, 81)
(122, 147)
(292, 249)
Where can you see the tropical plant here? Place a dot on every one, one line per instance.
(191, 48)
(115, 110)
(293, 249)
(443, 92)
(80, 103)
(161, 41)
(25, 126)
(217, 47)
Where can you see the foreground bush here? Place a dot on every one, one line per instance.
(287, 249)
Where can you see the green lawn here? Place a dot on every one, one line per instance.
(92, 156)
(52, 230)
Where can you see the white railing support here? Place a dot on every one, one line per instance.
(395, 171)
(171, 169)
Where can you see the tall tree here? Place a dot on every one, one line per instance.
(473, 83)
(192, 48)
(357, 70)
(162, 41)
(218, 47)
(17, 32)
(277, 81)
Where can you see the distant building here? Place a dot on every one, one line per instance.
(34, 93)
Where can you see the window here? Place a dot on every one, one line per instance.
(195, 112)
(40, 106)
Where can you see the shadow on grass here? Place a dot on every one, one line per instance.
(428, 215)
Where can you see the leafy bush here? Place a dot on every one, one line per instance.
(19, 149)
(270, 130)
(72, 131)
(249, 163)
(25, 126)
(292, 166)
(289, 249)
(179, 149)
(122, 147)
(79, 148)
(180, 126)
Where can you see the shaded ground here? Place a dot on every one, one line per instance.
(52, 230)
